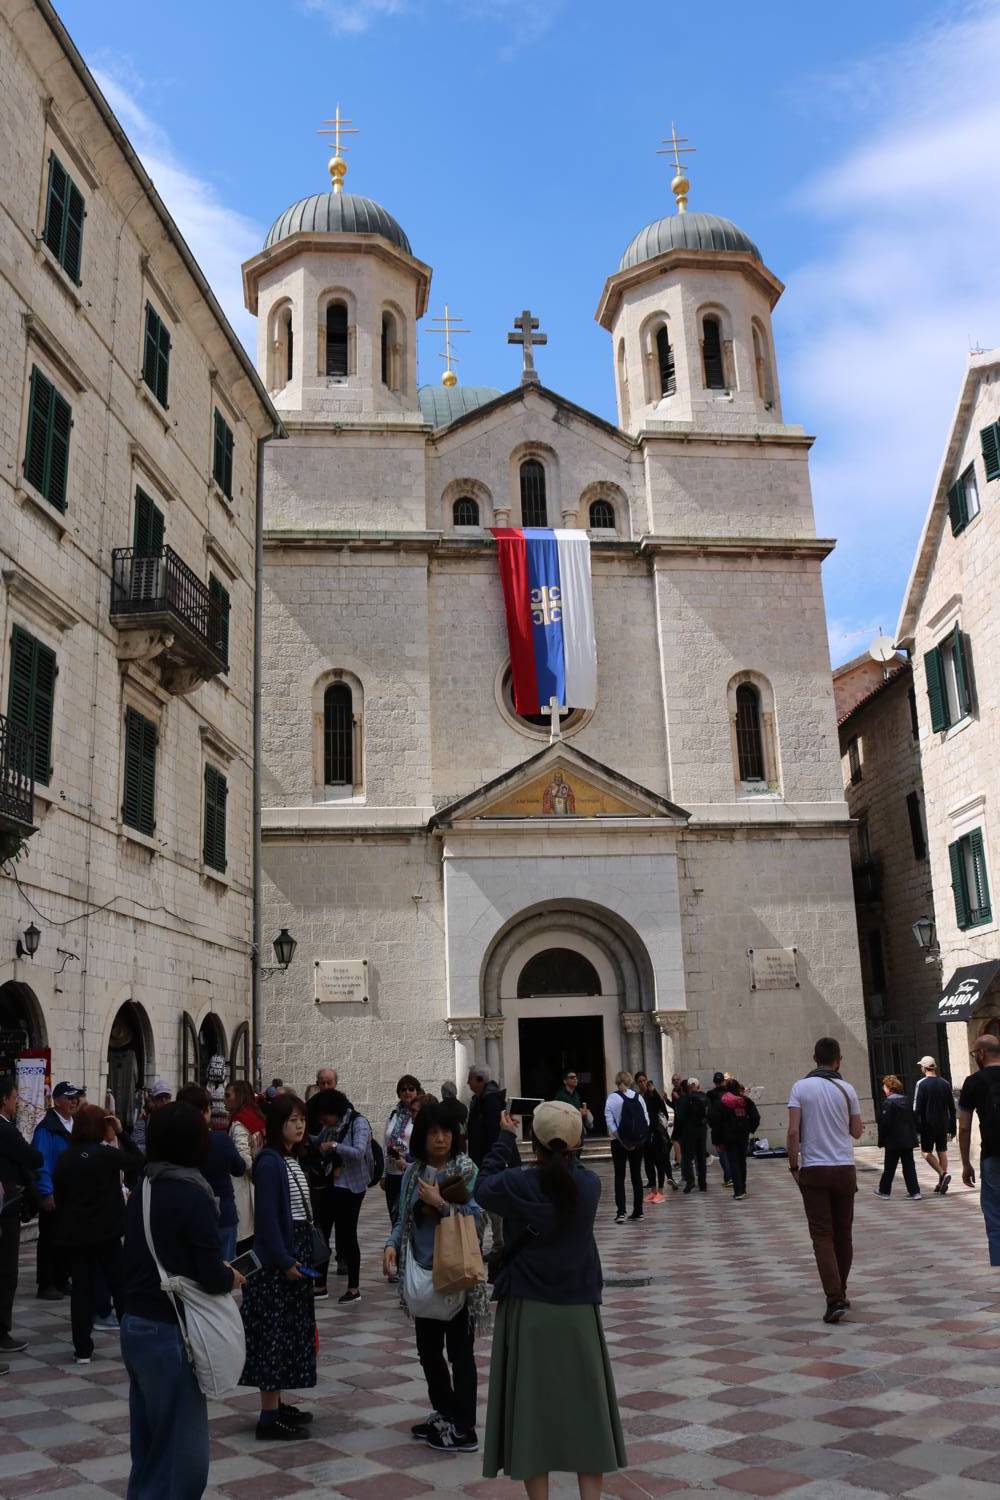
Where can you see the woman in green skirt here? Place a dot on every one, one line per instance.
(552, 1405)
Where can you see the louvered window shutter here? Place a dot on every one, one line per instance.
(989, 437)
(62, 422)
(147, 532)
(156, 355)
(963, 674)
(73, 242)
(981, 894)
(935, 689)
(147, 801)
(219, 622)
(39, 406)
(139, 799)
(163, 368)
(958, 884)
(150, 349)
(957, 510)
(222, 462)
(916, 825)
(214, 844)
(55, 208)
(31, 696)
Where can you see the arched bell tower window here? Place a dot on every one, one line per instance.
(665, 362)
(762, 366)
(289, 345)
(711, 330)
(338, 735)
(602, 516)
(749, 738)
(465, 511)
(336, 339)
(389, 379)
(534, 511)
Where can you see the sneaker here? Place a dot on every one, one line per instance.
(350, 1297)
(107, 1323)
(689, 1187)
(422, 1431)
(10, 1344)
(878, 1193)
(620, 1218)
(447, 1439)
(650, 1197)
(4, 1369)
(82, 1359)
(914, 1197)
(727, 1182)
(294, 1415)
(738, 1197)
(50, 1294)
(658, 1198)
(673, 1184)
(942, 1186)
(319, 1292)
(279, 1431)
(636, 1213)
(834, 1311)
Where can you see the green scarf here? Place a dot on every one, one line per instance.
(478, 1299)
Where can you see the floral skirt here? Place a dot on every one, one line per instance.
(280, 1324)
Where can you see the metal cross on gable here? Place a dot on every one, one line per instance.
(526, 334)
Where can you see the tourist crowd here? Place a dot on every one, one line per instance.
(149, 1231)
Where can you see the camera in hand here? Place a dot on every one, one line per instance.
(247, 1263)
(523, 1109)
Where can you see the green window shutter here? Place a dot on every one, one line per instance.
(957, 510)
(39, 416)
(156, 355)
(147, 530)
(963, 674)
(989, 437)
(31, 695)
(935, 689)
(222, 457)
(139, 796)
(55, 206)
(62, 422)
(981, 894)
(214, 843)
(219, 596)
(958, 884)
(163, 365)
(73, 238)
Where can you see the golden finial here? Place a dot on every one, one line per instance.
(677, 147)
(337, 166)
(449, 327)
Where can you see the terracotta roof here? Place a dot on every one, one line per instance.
(906, 667)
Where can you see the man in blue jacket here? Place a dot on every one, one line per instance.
(51, 1138)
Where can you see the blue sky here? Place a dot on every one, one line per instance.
(515, 140)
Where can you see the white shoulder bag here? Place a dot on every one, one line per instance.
(210, 1322)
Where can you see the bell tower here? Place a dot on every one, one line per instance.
(689, 313)
(338, 292)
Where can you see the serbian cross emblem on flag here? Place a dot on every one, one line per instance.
(550, 617)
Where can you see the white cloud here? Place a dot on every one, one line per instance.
(880, 326)
(220, 237)
(523, 21)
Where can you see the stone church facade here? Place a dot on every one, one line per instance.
(667, 883)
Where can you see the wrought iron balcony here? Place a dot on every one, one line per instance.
(867, 881)
(17, 779)
(170, 615)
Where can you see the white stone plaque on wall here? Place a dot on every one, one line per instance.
(773, 968)
(340, 981)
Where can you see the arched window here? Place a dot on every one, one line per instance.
(534, 511)
(465, 511)
(602, 516)
(558, 971)
(336, 339)
(289, 352)
(665, 362)
(762, 366)
(749, 739)
(338, 735)
(388, 350)
(711, 347)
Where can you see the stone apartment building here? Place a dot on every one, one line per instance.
(950, 623)
(880, 761)
(668, 883)
(129, 433)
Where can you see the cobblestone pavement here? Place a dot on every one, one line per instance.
(728, 1380)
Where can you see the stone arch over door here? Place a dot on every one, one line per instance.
(22, 1023)
(128, 1029)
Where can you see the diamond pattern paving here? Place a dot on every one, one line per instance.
(729, 1381)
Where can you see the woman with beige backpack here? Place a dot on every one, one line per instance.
(437, 1187)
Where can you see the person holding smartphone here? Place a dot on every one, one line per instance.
(277, 1307)
(398, 1129)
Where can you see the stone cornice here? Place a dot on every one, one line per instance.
(443, 545)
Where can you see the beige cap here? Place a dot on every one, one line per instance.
(556, 1121)
(926, 1062)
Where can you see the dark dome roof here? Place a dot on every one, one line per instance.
(337, 213)
(439, 405)
(687, 232)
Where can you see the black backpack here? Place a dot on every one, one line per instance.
(633, 1128)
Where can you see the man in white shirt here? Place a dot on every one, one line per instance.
(824, 1121)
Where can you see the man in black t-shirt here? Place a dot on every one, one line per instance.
(981, 1095)
(934, 1107)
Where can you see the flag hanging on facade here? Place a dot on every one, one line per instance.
(550, 616)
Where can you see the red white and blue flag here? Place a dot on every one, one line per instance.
(550, 616)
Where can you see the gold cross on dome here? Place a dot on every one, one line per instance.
(448, 325)
(337, 126)
(677, 147)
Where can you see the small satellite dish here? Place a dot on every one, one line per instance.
(882, 648)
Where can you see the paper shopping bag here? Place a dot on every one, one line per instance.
(458, 1262)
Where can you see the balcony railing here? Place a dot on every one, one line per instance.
(17, 776)
(160, 588)
(868, 880)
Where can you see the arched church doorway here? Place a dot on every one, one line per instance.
(130, 1060)
(22, 1028)
(550, 1045)
(211, 1052)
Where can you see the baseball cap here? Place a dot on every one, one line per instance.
(67, 1091)
(926, 1062)
(718, 1078)
(158, 1088)
(556, 1121)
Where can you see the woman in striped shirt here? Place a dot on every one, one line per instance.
(277, 1308)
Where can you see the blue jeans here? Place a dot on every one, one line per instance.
(168, 1416)
(227, 1241)
(989, 1202)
